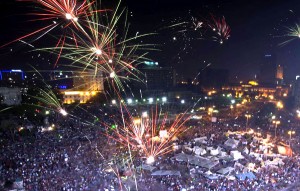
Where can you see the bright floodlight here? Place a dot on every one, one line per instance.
(150, 100)
(68, 16)
(182, 101)
(164, 99)
(110, 61)
(129, 101)
(63, 112)
(150, 160)
(114, 102)
(112, 75)
(144, 114)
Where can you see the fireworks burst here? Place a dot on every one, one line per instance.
(293, 33)
(61, 12)
(152, 136)
(101, 49)
(48, 99)
(221, 28)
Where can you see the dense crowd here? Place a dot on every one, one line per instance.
(78, 156)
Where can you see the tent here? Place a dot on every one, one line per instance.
(226, 170)
(147, 167)
(248, 175)
(214, 152)
(199, 151)
(202, 140)
(236, 155)
(197, 160)
(232, 143)
(166, 173)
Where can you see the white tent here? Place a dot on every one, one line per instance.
(199, 151)
(202, 140)
(214, 152)
(236, 155)
(196, 160)
(226, 170)
(147, 167)
(166, 172)
(232, 143)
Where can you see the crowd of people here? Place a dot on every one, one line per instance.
(79, 156)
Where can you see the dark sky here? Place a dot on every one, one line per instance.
(257, 28)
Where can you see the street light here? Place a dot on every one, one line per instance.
(210, 110)
(291, 133)
(279, 105)
(276, 122)
(247, 116)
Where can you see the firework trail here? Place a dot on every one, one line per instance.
(220, 27)
(101, 49)
(151, 135)
(66, 14)
(60, 12)
(293, 33)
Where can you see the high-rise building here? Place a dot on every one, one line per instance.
(296, 92)
(270, 72)
(12, 78)
(279, 75)
(156, 77)
(61, 79)
(213, 78)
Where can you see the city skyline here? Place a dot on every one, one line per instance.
(255, 31)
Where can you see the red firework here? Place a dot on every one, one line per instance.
(220, 26)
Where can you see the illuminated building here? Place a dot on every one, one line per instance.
(253, 89)
(86, 85)
(88, 81)
(78, 96)
(279, 75)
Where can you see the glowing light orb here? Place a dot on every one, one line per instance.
(63, 112)
(112, 75)
(110, 61)
(69, 16)
(150, 160)
(96, 51)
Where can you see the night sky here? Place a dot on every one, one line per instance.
(257, 28)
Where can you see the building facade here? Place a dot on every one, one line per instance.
(213, 78)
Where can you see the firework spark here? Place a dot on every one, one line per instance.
(48, 99)
(102, 49)
(61, 12)
(221, 28)
(152, 136)
(293, 32)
